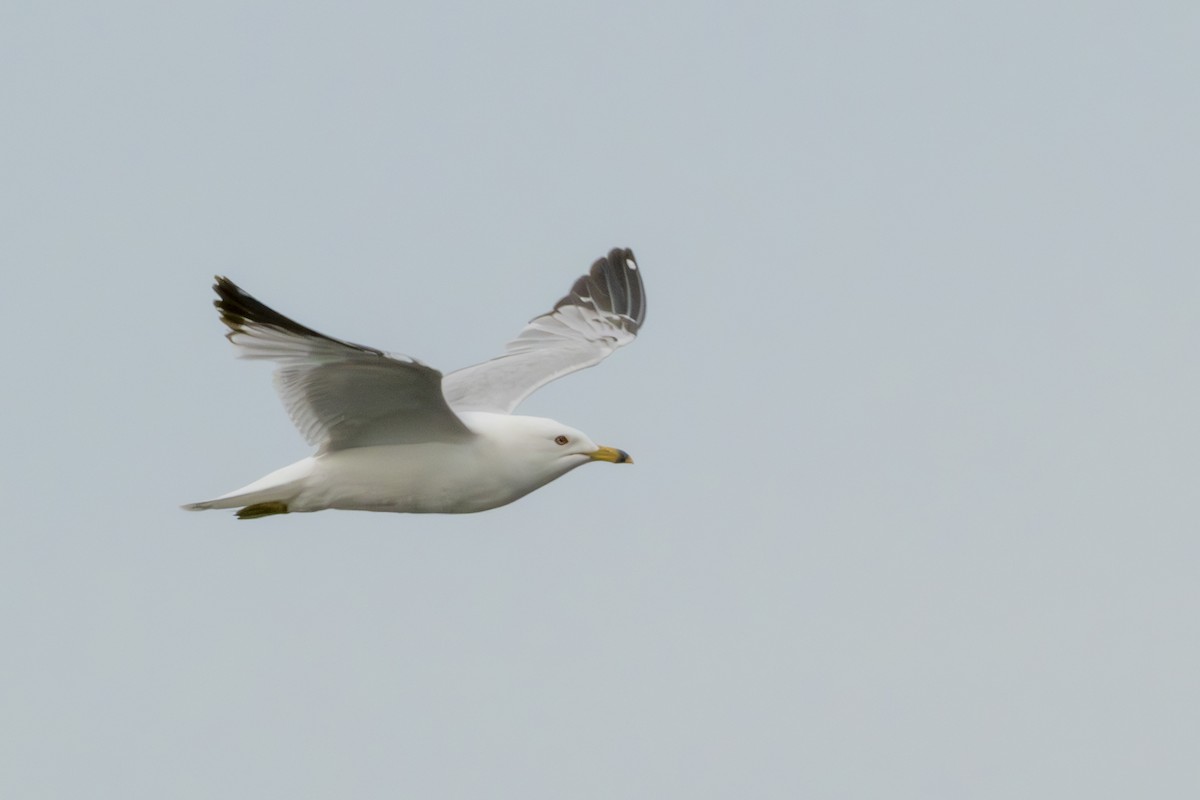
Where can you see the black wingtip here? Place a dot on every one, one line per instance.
(618, 253)
(614, 283)
(238, 307)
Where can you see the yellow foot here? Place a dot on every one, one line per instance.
(263, 510)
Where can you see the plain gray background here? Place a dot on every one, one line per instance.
(914, 410)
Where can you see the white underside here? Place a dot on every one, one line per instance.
(434, 477)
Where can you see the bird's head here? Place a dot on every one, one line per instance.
(543, 442)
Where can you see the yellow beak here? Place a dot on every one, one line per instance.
(610, 454)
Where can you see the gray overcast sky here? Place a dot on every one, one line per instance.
(914, 410)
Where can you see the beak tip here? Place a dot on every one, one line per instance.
(612, 455)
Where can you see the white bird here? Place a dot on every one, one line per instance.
(393, 435)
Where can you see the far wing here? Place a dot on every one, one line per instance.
(339, 394)
(603, 311)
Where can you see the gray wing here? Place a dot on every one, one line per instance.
(603, 311)
(339, 394)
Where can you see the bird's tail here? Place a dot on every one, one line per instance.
(268, 495)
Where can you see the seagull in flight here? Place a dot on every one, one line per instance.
(394, 434)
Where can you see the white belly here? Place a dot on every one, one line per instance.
(417, 478)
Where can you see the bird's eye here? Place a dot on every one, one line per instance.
(560, 439)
